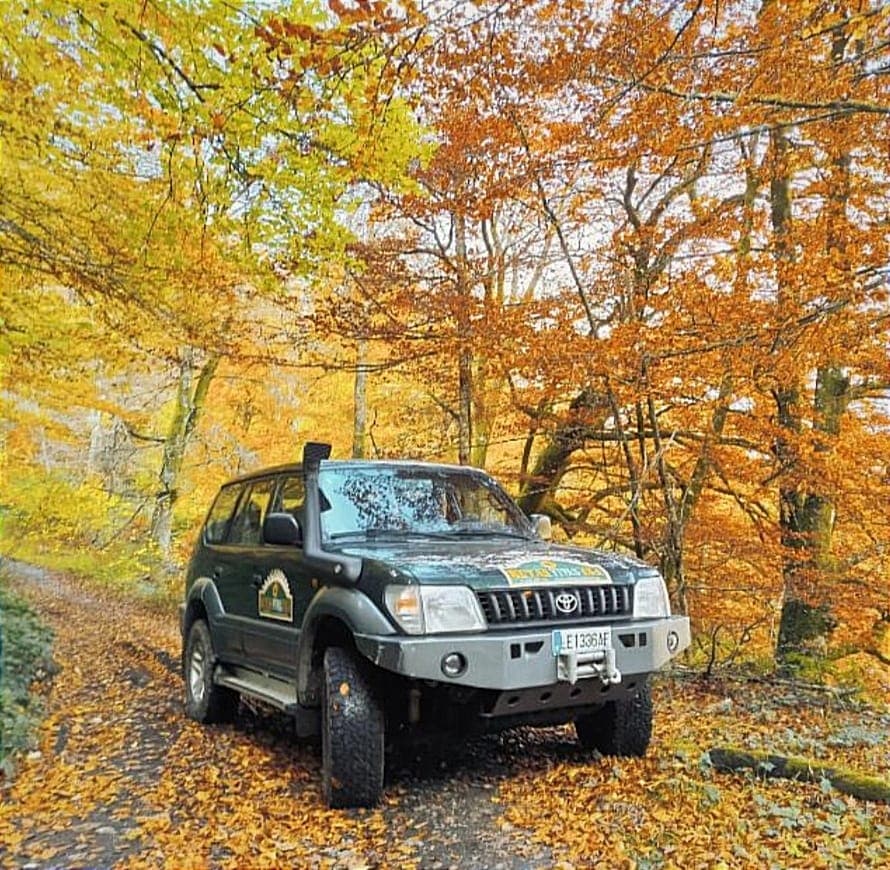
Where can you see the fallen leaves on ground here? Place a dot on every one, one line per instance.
(670, 809)
(123, 777)
(121, 774)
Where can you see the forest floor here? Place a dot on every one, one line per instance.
(122, 777)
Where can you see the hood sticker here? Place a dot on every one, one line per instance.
(549, 570)
(275, 599)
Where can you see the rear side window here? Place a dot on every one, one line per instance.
(247, 524)
(291, 496)
(220, 514)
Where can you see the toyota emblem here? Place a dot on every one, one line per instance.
(567, 602)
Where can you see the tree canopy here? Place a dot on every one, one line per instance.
(630, 257)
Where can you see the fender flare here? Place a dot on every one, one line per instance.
(345, 604)
(203, 592)
(202, 595)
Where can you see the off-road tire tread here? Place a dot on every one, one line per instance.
(219, 703)
(352, 732)
(621, 728)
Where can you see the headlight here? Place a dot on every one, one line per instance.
(434, 609)
(651, 597)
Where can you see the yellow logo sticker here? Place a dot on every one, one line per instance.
(552, 570)
(275, 599)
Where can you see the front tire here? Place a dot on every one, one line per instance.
(204, 700)
(622, 728)
(352, 733)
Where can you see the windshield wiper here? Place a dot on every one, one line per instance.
(379, 533)
(485, 531)
(438, 534)
(355, 533)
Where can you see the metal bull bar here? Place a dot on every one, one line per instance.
(572, 666)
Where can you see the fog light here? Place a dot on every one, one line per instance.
(673, 641)
(453, 665)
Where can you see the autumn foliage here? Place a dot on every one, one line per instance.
(118, 776)
(630, 257)
(650, 250)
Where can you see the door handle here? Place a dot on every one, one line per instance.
(217, 572)
(257, 581)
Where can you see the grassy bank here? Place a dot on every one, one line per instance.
(25, 657)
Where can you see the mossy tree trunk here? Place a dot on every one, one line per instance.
(800, 620)
(851, 782)
(193, 383)
(807, 506)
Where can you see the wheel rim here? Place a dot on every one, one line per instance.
(196, 672)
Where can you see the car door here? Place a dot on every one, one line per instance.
(242, 566)
(286, 587)
(219, 563)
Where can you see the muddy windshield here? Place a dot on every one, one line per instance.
(393, 501)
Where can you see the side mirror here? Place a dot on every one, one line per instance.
(282, 528)
(542, 526)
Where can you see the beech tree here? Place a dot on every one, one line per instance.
(637, 262)
(165, 165)
(699, 371)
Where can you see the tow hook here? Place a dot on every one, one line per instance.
(573, 666)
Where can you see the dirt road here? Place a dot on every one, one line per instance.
(122, 776)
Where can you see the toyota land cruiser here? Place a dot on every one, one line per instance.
(362, 596)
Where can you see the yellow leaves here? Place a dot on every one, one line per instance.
(178, 795)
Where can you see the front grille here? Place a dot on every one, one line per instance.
(508, 607)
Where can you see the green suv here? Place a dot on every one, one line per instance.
(367, 597)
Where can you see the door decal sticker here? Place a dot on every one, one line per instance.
(275, 599)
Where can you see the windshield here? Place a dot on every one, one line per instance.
(397, 501)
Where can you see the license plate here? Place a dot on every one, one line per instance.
(581, 640)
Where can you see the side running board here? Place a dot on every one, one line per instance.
(261, 687)
(273, 691)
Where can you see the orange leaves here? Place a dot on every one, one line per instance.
(670, 809)
(123, 778)
(592, 211)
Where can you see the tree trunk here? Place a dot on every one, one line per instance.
(679, 513)
(482, 420)
(360, 402)
(191, 393)
(851, 782)
(465, 405)
(807, 509)
(800, 622)
(588, 413)
(465, 346)
(111, 452)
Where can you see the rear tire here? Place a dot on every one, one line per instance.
(204, 700)
(622, 728)
(352, 732)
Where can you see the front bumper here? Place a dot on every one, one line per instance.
(507, 660)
